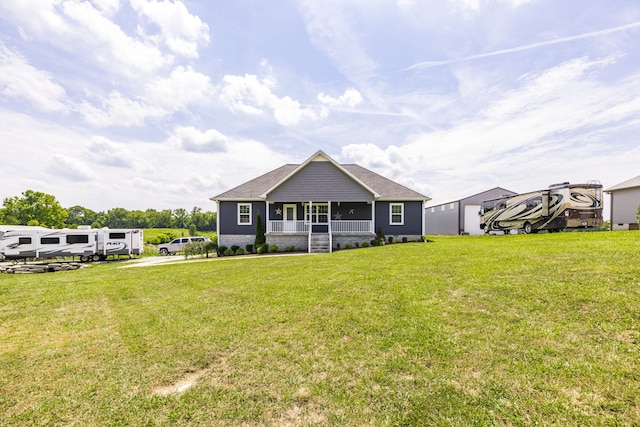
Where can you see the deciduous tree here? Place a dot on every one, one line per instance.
(34, 208)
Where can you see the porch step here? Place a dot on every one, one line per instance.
(319, 243)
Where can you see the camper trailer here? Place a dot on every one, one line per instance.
(120, 242)
(561, 206)
(86, 243)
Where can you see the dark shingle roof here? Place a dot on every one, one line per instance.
(630, 183)
(386, 188)
(252, 190)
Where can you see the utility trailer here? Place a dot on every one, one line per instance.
(561, 206)
(86, 243)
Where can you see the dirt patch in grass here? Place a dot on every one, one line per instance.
(180, 386)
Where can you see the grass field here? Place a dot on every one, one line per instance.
(516, 330)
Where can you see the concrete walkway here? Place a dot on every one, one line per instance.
(179, 259)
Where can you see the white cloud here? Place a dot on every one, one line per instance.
(179, 30)
(118, 110)
(86, 31)
(108, 44)
(196, 141)
(517, 3)
(466, 6)
(333, 30)
(240, 91)
(204, 184)
(162, 97)
(350, 98)
(107, 7)
(108, 153)
(251, 95)
(469, 8)
(554, 119)
(184, 86)
(19, 79)
(71, 169)
(406, 3)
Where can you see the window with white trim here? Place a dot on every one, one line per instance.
(396, 213)
(244, 213)
(319, 213)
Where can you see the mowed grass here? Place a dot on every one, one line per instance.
(502, 330)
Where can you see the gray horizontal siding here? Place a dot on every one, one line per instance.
(413, 212)
(228, 214)
(320, 181)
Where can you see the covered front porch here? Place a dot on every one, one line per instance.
(319, 221)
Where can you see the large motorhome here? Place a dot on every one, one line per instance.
(86, 243)
(559, 207)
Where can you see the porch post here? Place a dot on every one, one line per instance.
(329, 227)
(424, 218)
(310, 225)
(218, 219)
(266, 216)
(373, 216)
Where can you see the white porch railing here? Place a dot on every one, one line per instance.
(362, 226)
(287, 227)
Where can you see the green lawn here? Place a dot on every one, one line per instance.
(516, 330)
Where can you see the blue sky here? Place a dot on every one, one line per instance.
(163, 104)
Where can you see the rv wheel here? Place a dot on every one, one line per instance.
(528, 229)
(84, 258)
(95, 258)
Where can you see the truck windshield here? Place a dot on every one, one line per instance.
(488, 206)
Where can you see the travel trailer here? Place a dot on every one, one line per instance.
(113, 241)
(561, 206)
(86, 243)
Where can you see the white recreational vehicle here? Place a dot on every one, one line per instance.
(86, 243)
(559, 207)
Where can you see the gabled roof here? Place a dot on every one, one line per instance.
(500, 190)
(386, 188)
(319, 154)
(630, 183)
(251, 190)
(381, 187)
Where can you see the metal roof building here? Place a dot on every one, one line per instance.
(460, 216)
(625, 199)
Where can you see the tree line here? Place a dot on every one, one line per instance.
(37, 208)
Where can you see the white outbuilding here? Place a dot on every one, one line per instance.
(625, 199)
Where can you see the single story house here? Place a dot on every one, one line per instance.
(317, 205)
(625, 199)
(460, 216)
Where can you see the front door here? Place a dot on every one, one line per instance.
(290, 218)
